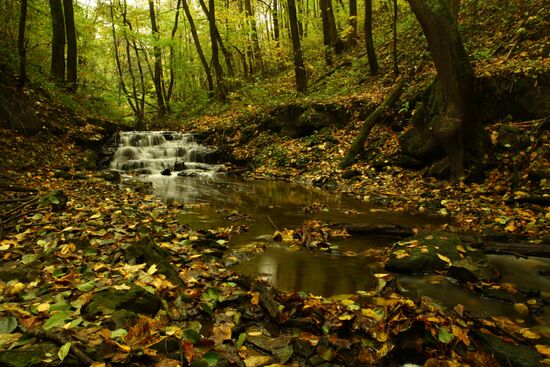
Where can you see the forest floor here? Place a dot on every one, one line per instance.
(75, 288)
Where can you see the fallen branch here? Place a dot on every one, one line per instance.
(532, 199)
(369, 123)
(266, 299)
(60, 340)
(516, 249)
(389, 230)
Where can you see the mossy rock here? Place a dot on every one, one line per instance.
(135, 299)
(439, 251)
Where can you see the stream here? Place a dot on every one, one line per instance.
(186, 172)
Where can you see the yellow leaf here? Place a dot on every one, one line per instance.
(254, 333)
(522, 309)
(445, 258)
(255, 298)
(43, 307)
(345, 317)
(543, 349)
(529, 334)
(152, 269)
(381, 275)
(460, 248)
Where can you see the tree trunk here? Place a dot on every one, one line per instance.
(275, 16)
(196, 39)
(22, 46)
(71, 45)
(299, 69)
(220, 87)
(454, 122)
(330, 35)
(353, 18)
(58, 41)
(173, 53)
(394, 31)
(253, 34)
(161, 107)
(371, 53)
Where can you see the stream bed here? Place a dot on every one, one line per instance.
(209, 199)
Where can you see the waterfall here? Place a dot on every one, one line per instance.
(163, 153)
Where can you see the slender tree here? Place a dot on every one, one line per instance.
(58, 41)
(275, 17)
(254, 48)
(299, 69)
(22, 45)
(220, 84)
(157, 52)
(71, 45)
(353, 19)
(198, 46)
(394, 32)
(331, 41)
(369, 43)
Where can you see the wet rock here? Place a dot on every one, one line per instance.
(122, 319)
(187, 174)
(179, 166)
(509, 354)
(166, 172)
(130, 297)
(436, 251)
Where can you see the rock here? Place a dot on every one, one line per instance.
(187, 174)
(436, 251)
(56, 198)
(179, 166)
(145, 251)
(166, 172)
(509, 354)
(131, 298)
(88, 160)
(111, 176)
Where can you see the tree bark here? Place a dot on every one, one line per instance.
(454, 119)
(253, 37)
(220, 87)
(369, 43)
(198, 46)
(157, 80)
(331, 40)
(58, 41)
(71, 45)
(394, 44)
(22, 46)
(369, 123)
(299, 69)
(353, 18)
(275, 16)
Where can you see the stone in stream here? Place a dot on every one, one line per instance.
(440, 251)
(179, 166)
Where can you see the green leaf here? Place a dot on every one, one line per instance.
(212, 294)
(64, 351)
(240, 340)
(29, 258)
(86, 287)
(118, 333)
(56, 320)
(59, 272)
(445, 335)
(191, 335)
(211, 357)
(8, 324)
(199, 363)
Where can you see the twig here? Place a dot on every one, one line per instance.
(58, 339)
(273, 224)
(22, 206)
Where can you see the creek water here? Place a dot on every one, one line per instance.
(211, 199)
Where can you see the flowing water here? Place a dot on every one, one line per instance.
(210, 199)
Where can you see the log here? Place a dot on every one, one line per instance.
(532, 199)
(266, 299)
(389, 230)
(369, 123)
(517, 249)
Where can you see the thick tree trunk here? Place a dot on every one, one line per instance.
(453, 118)
(299, 69)
(71, 45)
(157, 79)
(204, 62)
(369, 43)
(58, 41)
(22, 46)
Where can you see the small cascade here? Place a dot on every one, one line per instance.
(163, 153)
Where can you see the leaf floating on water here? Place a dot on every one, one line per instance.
(543, 349)
(529, 334)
